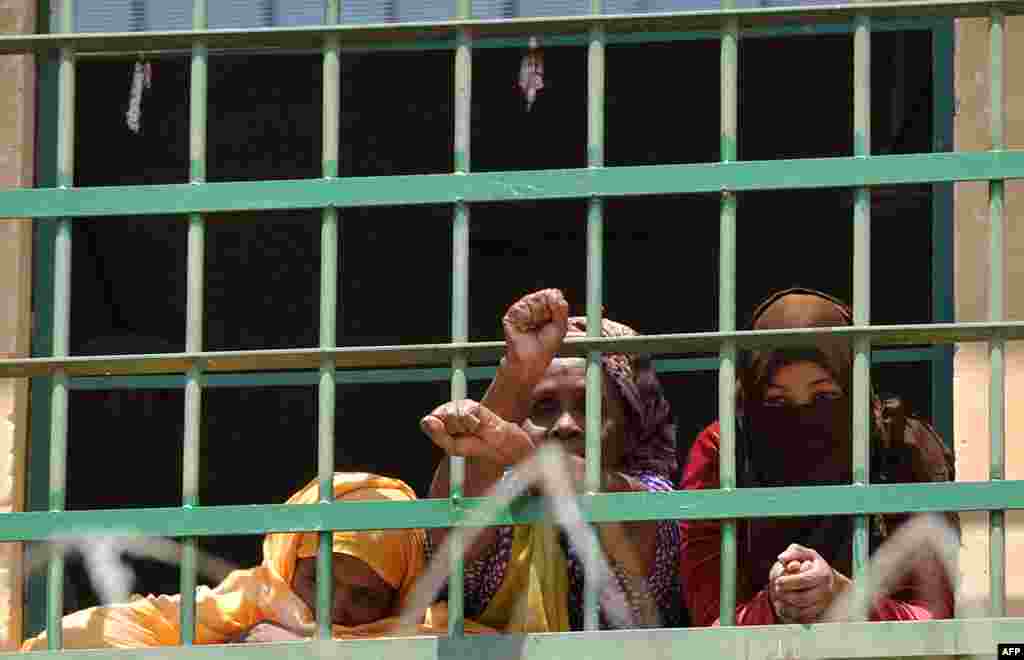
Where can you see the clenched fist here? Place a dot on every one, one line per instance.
(467, 428)
(535, 327)
(802, 585)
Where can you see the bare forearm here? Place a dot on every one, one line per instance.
(509, 398)
(508, 395)
(480, 476)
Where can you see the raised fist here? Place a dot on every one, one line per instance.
(535, 327)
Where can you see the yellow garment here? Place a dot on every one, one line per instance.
(534, 596)
(396, 555)
(250, 596)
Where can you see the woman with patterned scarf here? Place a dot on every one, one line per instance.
(537, 398)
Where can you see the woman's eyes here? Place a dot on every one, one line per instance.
(778, 401)
(545, 407)
(360, 596)
(367, 597)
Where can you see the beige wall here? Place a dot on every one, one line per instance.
(17, 139)
(970, 389)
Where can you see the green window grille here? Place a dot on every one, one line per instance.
(56, 207)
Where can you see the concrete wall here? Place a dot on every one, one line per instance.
(17, 139)
(970, 389)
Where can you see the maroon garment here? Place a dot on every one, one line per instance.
(928, 594)
(806, 445)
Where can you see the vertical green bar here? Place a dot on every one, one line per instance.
(61, 323)
(861, 282)
(996, 312)
(943, 306)
(328, 317)
(727, 314)
(460, 305)
(595, 295)
(44, 243)
(194, 321)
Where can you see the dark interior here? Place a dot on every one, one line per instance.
(262, 269)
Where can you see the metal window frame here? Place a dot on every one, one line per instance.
(54, 375)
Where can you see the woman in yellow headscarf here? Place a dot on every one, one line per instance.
(374, 573)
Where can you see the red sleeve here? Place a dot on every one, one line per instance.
(927, 595)
(700, 556)
(890, 609)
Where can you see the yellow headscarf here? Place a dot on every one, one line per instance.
(396, 555)
(250, 596)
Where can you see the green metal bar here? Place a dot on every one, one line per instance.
(412, 355)
(434, 513)
(358, 34)
(563, 40)
(325, 461)
(943, 236)
(405, 376)
(596, 42)
(890, 639)
(595, 294)
(861, 285)
(61, 324)
(328, 317)
(59, 429)
(582, 183)
(194, 321)
(727, 314)
(460, 310)
(44, 245)
(190, 498)
(996, 312)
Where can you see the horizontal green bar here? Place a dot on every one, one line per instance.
(278, 379)
(244, 520)
(414, 355)
(899, 355)
(511, 186)
(404, 376)
(304, 37)
(807, 501)
(825, 641)
(563, 40)
(430, 513)
(790, 30)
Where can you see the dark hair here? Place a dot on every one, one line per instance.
(651, 432)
